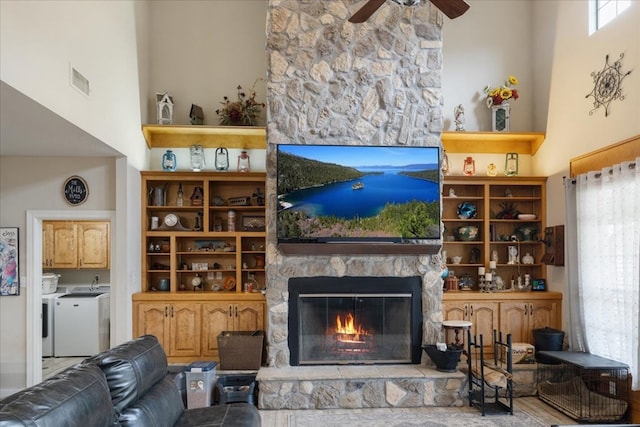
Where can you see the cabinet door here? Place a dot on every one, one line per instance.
(64, 246)
(216, 317)
(543, 313)
(484, 316)
(47, 244)
(93, 245)
(514, 320)
(185, 329)
(249, 316)
(153, 319)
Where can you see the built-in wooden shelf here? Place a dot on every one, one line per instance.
(170, 136)
(492, 142)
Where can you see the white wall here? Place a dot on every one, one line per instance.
(39, 189)
(491, 41)
(38, 46)
(202, 50)
(571, 131)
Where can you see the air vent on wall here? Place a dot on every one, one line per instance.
(79, 81)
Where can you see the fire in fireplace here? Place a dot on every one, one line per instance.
(351, 320)
(349, 336)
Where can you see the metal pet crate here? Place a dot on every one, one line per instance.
(584, 386)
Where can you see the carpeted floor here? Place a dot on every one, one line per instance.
(432, 417)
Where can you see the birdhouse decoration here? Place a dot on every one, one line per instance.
(196, 115)
(165, 108)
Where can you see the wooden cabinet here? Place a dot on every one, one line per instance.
(176, 325)
(495, 202)
(216, 233)
(482, 314)
(75, 244)
(219, 316)
(204, 234)
(517, 313)
(521, 317)
(188, 324)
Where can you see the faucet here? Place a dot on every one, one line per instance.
(94, 283)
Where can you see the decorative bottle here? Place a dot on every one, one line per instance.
(180, 198)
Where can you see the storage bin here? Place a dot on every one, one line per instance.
(200, 378)
(547, 339)
(236, 388)
(240, 350)
(49, 283)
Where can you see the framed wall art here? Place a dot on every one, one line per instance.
(9, 250)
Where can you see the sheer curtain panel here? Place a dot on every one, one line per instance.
(607, 257)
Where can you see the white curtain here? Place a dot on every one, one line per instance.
(603, 267)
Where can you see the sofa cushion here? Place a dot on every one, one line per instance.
(76, 397)
(131, 369)
(233, 415)
(160, 406)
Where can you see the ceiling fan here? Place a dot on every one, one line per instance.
(451, 8)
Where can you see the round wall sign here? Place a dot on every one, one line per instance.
(75, 190)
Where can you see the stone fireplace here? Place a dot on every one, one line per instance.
(355, 320)
(333, 82)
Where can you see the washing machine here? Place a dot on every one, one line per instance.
(48, 320)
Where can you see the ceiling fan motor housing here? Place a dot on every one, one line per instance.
(407, 2)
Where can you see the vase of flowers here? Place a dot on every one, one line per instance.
(242, 112)
(497, 98)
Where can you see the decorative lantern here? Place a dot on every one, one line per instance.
(445, 163)
(165, 108)
(469, 168)
(222, 159)
(197, 158)
(244, 162)
(169, 161)
(511, 164)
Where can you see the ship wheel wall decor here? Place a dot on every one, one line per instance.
(607, 85)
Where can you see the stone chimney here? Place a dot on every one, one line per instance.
(333, 82)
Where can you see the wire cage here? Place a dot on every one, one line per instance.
(585, 393)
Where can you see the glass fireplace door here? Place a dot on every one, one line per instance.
(354, 328)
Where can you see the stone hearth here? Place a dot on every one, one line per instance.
(378, 386)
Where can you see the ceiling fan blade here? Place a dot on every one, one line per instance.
(366, 11)
(451, 8)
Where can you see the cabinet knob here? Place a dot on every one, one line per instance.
(166, 311)
(231, 311)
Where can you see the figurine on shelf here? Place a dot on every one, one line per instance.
(197, 196)
(459, 117)
(244, 162)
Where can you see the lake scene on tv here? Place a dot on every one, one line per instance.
(330, 192)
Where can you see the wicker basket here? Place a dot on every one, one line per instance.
(240, 350)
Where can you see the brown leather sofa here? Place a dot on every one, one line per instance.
(128, 385)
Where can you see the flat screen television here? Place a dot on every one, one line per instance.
(353, 193)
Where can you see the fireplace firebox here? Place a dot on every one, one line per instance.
(355, 320)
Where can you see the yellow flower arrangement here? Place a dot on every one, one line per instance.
(244, 111)
(500, 94)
